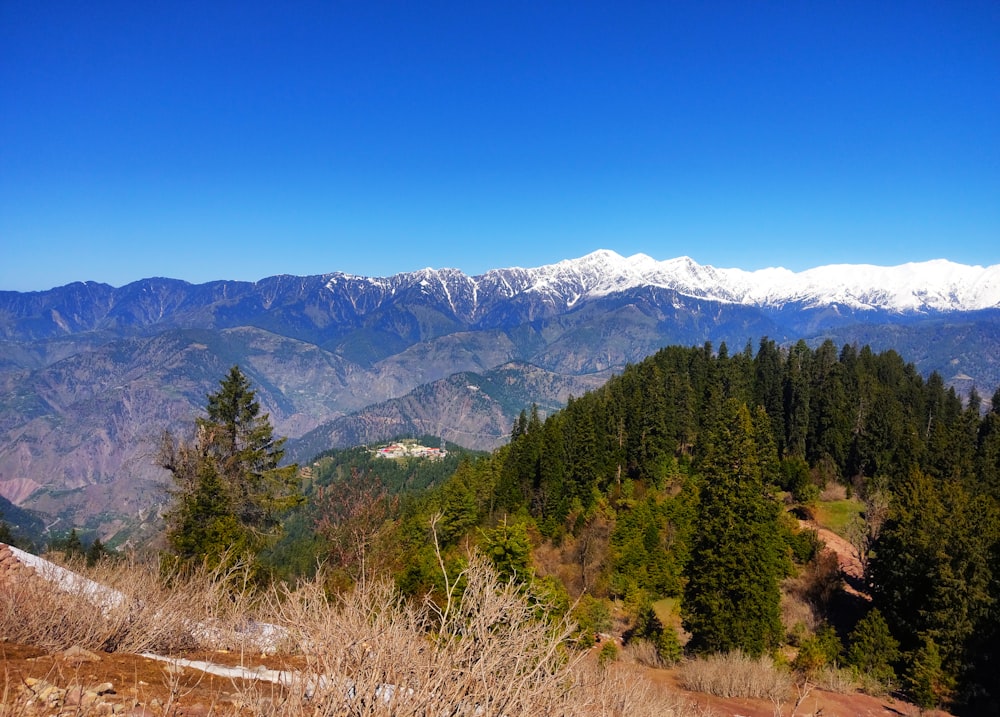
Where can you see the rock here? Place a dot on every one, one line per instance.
(105, 688)
(51, 695)
(77, 654)
(143, 711)
(74, 696)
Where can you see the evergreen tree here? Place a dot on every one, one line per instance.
(229, 488)
(731, 598)
(932, 573)
(795, 393)
(96, 552)
(508, 548)
(872, 650)
(767, 387)
(241, 440)
(202, 526)
(828, 415)
(927, 681)
(72, 546)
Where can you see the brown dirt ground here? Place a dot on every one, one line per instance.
(142, 687)
(147, 688)
(850, 566)
(817, 702)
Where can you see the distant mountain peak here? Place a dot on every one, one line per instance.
(936, 285)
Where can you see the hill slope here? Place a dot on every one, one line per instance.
(91, 374)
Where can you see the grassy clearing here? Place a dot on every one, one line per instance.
(836, 515)
(668, 610)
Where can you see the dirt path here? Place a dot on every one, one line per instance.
(847, 558)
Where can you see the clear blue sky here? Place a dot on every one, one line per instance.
(207, 140)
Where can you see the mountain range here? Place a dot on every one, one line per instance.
(90, 375)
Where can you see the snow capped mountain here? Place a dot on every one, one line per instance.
(87, 369)
(937, 285)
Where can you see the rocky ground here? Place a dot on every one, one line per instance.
(36, 682)
(81, 683)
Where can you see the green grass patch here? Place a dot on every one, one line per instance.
(668, 610)
(836, 515)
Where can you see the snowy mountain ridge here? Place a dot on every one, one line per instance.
(937, 285)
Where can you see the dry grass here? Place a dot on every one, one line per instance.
(131, 609)
(797, 614)
(483, 648)
(642, 652)
(837, 679)
(736, 675)
(833, 492)
(484, 651)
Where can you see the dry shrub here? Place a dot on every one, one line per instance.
(578, 560)
(833, 491)
(811, 590)
(599, 692)
(822, 579)
(486, 651)
(381, 654)
(736, 675)
(871, 685)
(122, 606)
(642, 652)
(797, 614)
(837, 679)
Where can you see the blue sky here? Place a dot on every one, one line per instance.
(239, 140)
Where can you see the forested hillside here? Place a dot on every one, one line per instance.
(669, 481)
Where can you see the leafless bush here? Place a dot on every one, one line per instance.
(821, 579)
(484, 648)
(797, 614)
(484, 651)
(837, 679)
(613, 692)
(642, 652)
(833, 491)
(373, 652)
(121, 607)
(736, 675)
(864, 530)
(871, 685)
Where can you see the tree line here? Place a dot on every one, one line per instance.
(664, 483)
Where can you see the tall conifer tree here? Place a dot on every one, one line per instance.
(731, 598)
(229, 485)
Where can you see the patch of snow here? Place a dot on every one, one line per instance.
(68, 581)
(261, 636)
(937, 285)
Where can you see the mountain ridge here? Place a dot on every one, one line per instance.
(932, 286)
(89, 374)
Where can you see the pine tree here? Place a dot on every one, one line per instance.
(241, 439)
(508, 548)
(731, 598)
(872, 648)
(73, 546)
(927, 681)
(932, 574)
(229, 489)
(96, 552)
(203, 526)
